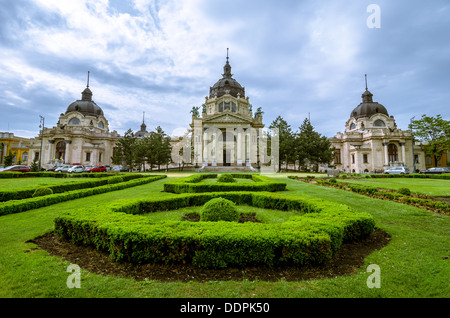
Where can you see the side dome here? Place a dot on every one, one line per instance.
(368, 107)
(86, 105)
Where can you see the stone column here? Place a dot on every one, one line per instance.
(402, 144)
(248, 150)
(386, 155)
(205, 146)
(214, 148)
(239, 146)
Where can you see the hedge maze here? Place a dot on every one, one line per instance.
(310, 238)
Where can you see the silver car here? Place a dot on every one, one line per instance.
(397, 170)
(63, 168)
(76, 169)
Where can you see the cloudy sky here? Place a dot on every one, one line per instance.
(295, 58)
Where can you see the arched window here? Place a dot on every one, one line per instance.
(74, 121)
(352, 126)
(392, 153)
(221, 107)
(60, 150)
(100, 124)
(379, 123)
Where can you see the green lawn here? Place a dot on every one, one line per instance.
(413, 264)
(20, 183)
(433, 187)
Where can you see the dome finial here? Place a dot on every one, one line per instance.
(88, 80)
(365, 75)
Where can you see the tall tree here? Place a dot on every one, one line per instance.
(312, 147)
(434, 132)
(125, 150)
(286, 140)
(162, 148)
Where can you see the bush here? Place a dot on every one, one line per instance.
(226, 177)
(42, 191)
(404, 191)
(219, 209)
(113, 180)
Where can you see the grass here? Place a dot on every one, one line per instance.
(264, 215)
(413, 264)
(20, 183)
(432, 187)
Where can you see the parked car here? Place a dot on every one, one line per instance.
(88, 168)
(436, 170)
(397, 170)
(108, 168)
(16, 168)
(119, 169)
(62, 168)
(98, 168)
(76, 169)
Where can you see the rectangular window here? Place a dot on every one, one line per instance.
(416, 158)
(227, 106)
(337, 156)
(365, 160)
(353, 158)
(100, 157)
(36, 155)
(88, 156)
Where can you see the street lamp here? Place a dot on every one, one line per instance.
(412, 146)
(42, 120)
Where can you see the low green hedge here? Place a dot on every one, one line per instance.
(413, 175)
(309, 239)
(192, 184)
(24, 193)
(401, 195)
(16, 206)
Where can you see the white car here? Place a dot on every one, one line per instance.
(63, 168)
(76, 169)
(397, 170)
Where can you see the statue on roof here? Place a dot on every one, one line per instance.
(194, 111)
(259, 112)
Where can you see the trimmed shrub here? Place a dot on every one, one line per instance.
(41, 191)
(113, 180)
(219, 209)
(226, 177)
(309, 239)
(404, 191)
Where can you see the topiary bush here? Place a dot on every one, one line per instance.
(41, 191)
(404, 191)
(226, 177)
(219, 209)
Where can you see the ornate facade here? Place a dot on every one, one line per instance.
(372, 143)
(228, 133)
(81, 136)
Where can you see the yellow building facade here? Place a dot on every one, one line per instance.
(19, 147)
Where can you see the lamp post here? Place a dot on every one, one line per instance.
(412, 146)
(42, 120)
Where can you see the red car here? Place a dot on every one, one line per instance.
(17, 168)
(98, 168)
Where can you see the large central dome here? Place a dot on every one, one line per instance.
(227, 84)
(86, 105)
(368, 107)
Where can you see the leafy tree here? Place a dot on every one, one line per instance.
(9, 159)
(34, 165)
(286, 140)
(162, 148)
(312, 147)
(125, 150)
(434, 132)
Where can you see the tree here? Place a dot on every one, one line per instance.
(434, 132)
(162, 149)
(286, 140)
(9, 159)
(311, 147)
(125, 150)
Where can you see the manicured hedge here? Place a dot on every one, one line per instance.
(413, 175)
(400, 196)
(24, 193)
(192, 184)
(305, 240)
(16, 206)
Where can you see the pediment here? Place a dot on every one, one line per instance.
(227, 118)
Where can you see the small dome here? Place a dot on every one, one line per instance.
(368, 107)
(86, 105)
